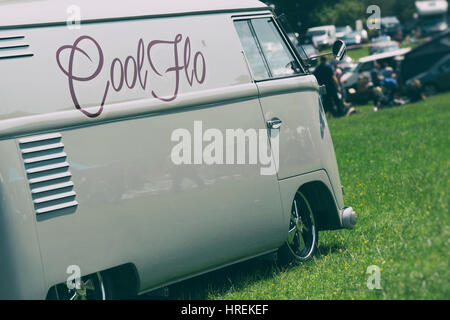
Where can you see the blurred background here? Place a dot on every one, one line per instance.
(398, 51)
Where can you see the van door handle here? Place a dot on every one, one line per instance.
(274, 123)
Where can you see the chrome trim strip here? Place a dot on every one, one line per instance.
(52, 187)
(12, 37)
(55, 197)
(145, 107)
(43, 148)
(15, 46)
(45, 158)
(51, 177)
(57, 207)
(48, 168)
(19, 55)
(40, 138)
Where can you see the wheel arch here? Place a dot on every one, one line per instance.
(317, 188)
(125, 281)
(322, 205)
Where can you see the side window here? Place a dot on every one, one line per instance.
(271, 50)
(251, 49)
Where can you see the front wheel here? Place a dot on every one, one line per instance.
(301, 243)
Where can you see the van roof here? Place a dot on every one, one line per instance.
(37, 12)
(385, 55)
(431, 7)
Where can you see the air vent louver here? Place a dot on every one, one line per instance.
(14, 47)
(48, 173)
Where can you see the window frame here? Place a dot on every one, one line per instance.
(288, 44)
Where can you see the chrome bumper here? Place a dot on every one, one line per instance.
(348, 218)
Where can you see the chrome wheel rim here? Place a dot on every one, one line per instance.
(302, 230)
(90, 287)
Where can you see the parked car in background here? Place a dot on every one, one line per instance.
(293, 37)
(345, 64)
(306, 52)
(366, 64)
(389, 25)
(386, 47)
(423, 57)
(310, 50)
(364, 35)
(436, 79)
(432, 16)
(352, 38)
(341, 32)
(378, 41)
(322, 37)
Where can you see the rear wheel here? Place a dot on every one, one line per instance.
(96, 286)
(301, 243)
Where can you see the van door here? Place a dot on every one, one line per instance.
(288, 97)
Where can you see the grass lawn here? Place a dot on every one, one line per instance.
(394, 165)
(357, 54)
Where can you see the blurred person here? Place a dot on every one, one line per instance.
(390, 84)
(363, 92)
(325, 75)
(387, 70)
(389, 88)
(414, 91)
(341, 94)
(375, 75)
(377, 93)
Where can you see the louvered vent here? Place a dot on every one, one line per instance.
(48, 173)
(14, 47)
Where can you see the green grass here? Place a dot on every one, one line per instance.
(357, 54)
(394, 165)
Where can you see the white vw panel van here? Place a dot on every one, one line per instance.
(91, 93)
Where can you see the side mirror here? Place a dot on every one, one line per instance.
(339, 50)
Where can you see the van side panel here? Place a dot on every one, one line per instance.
(21, 273)
(134, 204)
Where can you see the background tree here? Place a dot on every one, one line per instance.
(303, 14)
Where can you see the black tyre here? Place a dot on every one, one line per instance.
(303, 237)
(96, 286)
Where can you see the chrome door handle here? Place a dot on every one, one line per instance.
(274, 123)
